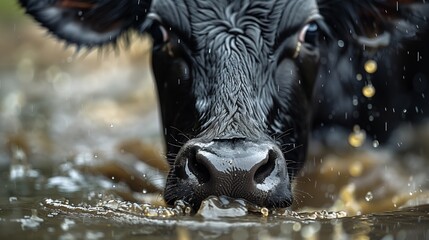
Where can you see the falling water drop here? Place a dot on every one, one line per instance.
(375, 143)
(265, 212)
(369, 196)
(296, 227)
(368, 91)
(370, 66)
(355, 101)
(359, 77)
(357, 137)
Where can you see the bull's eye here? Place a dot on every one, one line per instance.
(182, 72)
(310, 34)
(159, 33)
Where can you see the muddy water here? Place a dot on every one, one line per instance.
(31, 207)
(81, 158)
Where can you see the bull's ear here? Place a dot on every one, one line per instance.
(88, 22)
(350, 19)
(347, 19)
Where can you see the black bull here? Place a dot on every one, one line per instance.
(241, 83)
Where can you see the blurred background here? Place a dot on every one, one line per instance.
(56, 103)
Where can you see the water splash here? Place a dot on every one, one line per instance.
(369, 196)
(211, 208)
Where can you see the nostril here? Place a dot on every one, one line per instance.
(267, 167)
(197, 167)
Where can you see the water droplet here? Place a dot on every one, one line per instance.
(370, 66)
(265, 212)
(356, 169)
(368, 91)
(357, 137)
(296, 227)
(359, 77)
(188, 210)
(369, 196)
(375, 144)
(67, 224)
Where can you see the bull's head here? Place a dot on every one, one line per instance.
(234, 78)
(234, 81)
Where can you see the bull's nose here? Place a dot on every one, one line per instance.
(240, 169)
(215, 164)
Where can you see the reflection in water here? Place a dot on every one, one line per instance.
(95, 218)
(79, 159)
(93, 211)
(361, 182)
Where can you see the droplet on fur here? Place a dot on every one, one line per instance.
(368, 91)
(375, 144)
(370, 66)
(359, 77)
(357, 137)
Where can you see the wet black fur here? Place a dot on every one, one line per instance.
(217, 81)
(401, 81)
(112, 18)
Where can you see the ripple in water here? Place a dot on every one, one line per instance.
(211, 208)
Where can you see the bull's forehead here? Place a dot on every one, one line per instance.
(194, 18)
(232, 43)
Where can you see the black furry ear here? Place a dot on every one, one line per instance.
(88, 22)
(350, 19)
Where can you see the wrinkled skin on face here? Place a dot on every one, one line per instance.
(227, 77)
